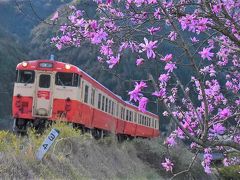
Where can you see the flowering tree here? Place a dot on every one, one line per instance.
(205, 40)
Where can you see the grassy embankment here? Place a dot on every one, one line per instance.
(79, 156)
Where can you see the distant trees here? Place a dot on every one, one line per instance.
(206, 107)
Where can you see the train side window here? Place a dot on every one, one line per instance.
(86, 94)
(99, 101)
(93, 96)
(44, 81)
(113, 104)
(106, 105)
(117, 110)
(127, 114)
(110, 106)
(123, 113)
(25, 76)
(130, 115)
(103, 102)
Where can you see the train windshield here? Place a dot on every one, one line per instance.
(25, 76)
(67, 79)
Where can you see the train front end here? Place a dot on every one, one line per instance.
(38, 85)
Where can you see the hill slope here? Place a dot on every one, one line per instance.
(77, 156)
(11, 52)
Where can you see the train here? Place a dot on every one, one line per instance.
(47, 90)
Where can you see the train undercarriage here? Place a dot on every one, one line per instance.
(20, 127)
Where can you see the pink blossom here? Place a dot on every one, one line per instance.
(139, 61)
(207, 169)
(142, 104)
(99, 36)
(202, 24)
(113, 61)
(206, 54)
(170, 67)
(157, 14)
(226, 162)
(65, 39)
(224, 113)
(193, 145)
(207, 158)
(136, 93)
(140, 85)
(152, 30)
(218, 129)
(139, 2)
(167, 58)
(170, 141)
(160, 93)
(172, 36)
(58, 46)
(55, 16)
(236, 138)
(217, 8)
(148, 46)
(152, 1)
(187, 21)
(164, 78)
(106, 50)
(179, 133)
(124, 45)
(194, 40)
(167, 165)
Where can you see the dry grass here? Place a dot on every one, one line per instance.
(79, 156)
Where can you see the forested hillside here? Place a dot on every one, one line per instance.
(11, 52)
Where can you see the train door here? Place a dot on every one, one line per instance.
(43, 95)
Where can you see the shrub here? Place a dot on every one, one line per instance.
(230, 172)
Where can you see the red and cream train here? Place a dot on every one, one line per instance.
(47, 90)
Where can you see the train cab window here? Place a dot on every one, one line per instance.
(67, 79)
(44, 81)
(99, 101)
(103, 102)
(93, 96)
(86, 94)
(25, 76)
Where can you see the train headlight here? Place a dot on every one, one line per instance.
(24, 64)
(67, 66)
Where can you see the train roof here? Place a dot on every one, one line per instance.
(61, 67)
